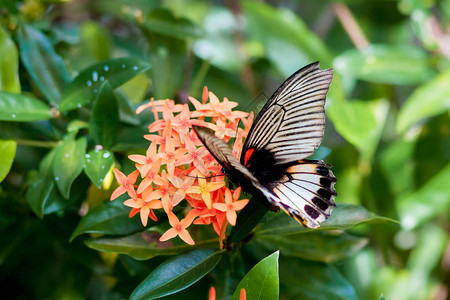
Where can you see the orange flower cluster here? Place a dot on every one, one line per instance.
(178, 167)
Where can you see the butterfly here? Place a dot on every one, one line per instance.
(273, 167)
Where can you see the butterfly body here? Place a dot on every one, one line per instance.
(272, 166)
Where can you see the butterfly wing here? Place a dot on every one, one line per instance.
(291, 124)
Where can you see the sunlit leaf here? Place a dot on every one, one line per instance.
(22, 108)
(84, 88)
(104, 121)
(7, 153)
(261, 282)
(45, 67)
(97, 163)
(9, 62)
(95, 40)
(385, 64)
(430, 99)
(68, 162)
(163, 22)
(176, 274)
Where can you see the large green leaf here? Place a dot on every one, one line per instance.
(313, 281)
(104, 121)
(322, 246)
(7, 153)
(430, 99)
(97, 163)
(429, 201)
(68, 162)
(95, 40)
(343, 217)
(45, 67)
(145, 245)
(176, 274)
(385, 64)
(110, 217)
(39, 191)
(9, 62)
(247, 219)
(22, 108)
(261, 282)
(85, 87)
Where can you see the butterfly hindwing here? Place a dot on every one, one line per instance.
(291, 124)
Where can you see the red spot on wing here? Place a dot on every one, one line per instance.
(248, 154)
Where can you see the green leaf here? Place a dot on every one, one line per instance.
(360, 123)
(110, 217)
(22, 108)
(7, 153)
(95, 40)
(381, 297)
(68, 162)
(314, 281)
(343, 217)
(45, 67)
(163, 22)
(436, 92)
(176, 274)
(39, 191)
(322, 246)
(145, 245)
(261, 282)
(430, 200)
(104, 121)
(84, 88)
(286, 38)
(385, 64)
(97, 163)
(9, 62)
(247, 219)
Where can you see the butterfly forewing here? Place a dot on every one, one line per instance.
(291, 124)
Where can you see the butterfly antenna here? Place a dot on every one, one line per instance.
(207, 177)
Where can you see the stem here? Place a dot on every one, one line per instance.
(351, 27)
(39, 144)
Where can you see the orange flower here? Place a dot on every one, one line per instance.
(231, 205)
(205, 188)
(145, 203)
(178, 228)
(126, 184)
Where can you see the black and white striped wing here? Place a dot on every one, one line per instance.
(221, 151)
(291, 124)
(305, 192)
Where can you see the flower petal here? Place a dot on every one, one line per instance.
(169, 234)
(185, 236)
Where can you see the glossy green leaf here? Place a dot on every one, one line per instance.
(436, 92)
(429, 201)
(314, 281)
(104, 121)
(288, 42)
(97, 163)
(7, 153)
(85, 87)
(45, 67)
(145, 245)
(382, 297)
(176, 274)
(360, 123)
(22, 108)
(9, 62)
(322, 246)
(39, 191)
(68, 162)
(261, 282)
(247, 219)
(385, 64)
(110, 217)
(343, 217)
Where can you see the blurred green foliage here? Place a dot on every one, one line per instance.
(73, 72)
